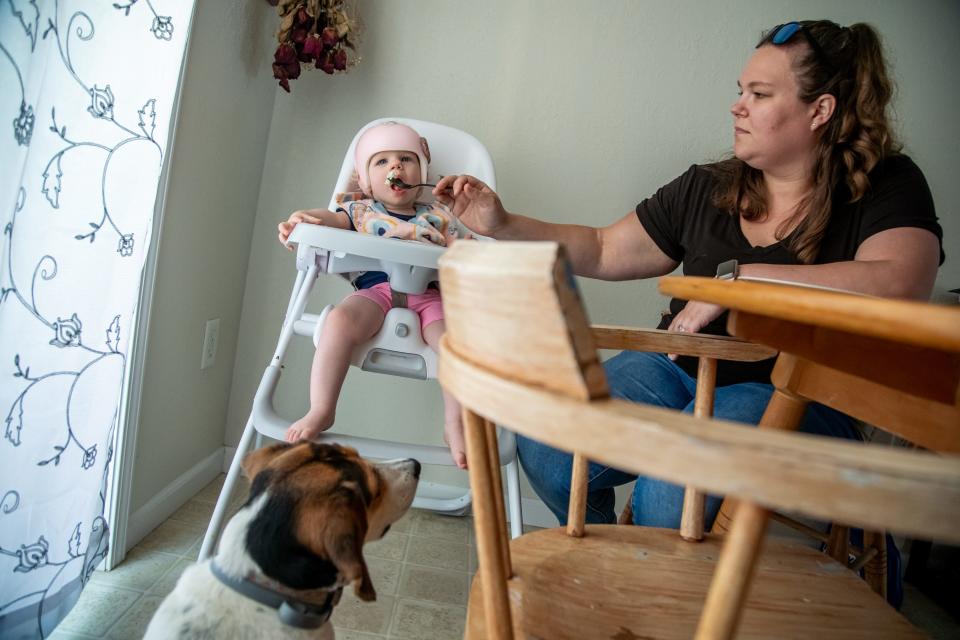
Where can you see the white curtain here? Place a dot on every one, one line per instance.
(87, 93)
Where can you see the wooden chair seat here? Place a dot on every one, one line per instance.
(645, 582)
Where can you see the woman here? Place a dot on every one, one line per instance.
(817, 192)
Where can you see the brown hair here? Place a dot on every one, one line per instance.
(849, 66)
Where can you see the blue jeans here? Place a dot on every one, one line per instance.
(653, 378)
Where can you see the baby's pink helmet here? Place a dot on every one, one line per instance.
(388, 136)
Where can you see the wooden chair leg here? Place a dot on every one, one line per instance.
(626, 516)
(577, 511)
(490, 534)
(838, 544)
(691, 520)
(493, 452)
(731, 579)
(785, 412)
(724, 520)
(875, 571)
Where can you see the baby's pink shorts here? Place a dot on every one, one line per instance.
(427, 305)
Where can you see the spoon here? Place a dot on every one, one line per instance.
(394, 181)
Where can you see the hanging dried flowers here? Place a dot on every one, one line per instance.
(313, 31)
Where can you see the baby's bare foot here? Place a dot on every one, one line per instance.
(308, 427)
(453, 436)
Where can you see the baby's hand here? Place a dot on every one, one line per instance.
(285, 228)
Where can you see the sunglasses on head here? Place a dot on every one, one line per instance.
(782, 34)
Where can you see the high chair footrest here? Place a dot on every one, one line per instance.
(397, 349)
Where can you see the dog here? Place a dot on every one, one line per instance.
(286, 555)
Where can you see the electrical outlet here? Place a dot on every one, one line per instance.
(211, 336)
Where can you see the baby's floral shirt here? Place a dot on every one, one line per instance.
(431, 223)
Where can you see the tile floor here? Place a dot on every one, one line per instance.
(421, 570)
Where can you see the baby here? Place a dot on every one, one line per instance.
(386, 156)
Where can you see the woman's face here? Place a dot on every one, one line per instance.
(772, 126)
(406, 164)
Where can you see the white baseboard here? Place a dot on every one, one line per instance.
(228, 453)
(175, 495)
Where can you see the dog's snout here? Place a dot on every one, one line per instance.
(403, 469)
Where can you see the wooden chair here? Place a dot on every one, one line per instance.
(519, 351)
(917, 400)
(708, 349)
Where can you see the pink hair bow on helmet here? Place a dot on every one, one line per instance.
(388, 136)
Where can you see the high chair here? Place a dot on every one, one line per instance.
(398, 349)
(525, 357)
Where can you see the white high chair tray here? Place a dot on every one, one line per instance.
(343, 251)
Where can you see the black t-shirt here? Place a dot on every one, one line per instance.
(688, 228)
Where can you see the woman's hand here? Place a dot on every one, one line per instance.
(310, 216)
(693, 317)
(472, 202)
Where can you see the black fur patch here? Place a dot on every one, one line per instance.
(274, 547)
(350, 469)
(259, 485)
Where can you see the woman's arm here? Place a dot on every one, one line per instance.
(620, 251)
(895, 263)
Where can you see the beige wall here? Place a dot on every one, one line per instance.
(215, 173)
(586, 107)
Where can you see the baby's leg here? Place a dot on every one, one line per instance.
(352, 322)
(452, 418)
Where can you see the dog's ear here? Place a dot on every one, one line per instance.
(256, 461)
(343, 540)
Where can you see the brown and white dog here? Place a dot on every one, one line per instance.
(288, 552)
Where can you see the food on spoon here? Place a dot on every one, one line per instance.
(393, 181)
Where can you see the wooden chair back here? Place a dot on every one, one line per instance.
(519, 351)
(531, 327)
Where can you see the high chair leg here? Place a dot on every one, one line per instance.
(293, 296)
(251, 435)
(298, 302)
(513, 498)
(220, 511)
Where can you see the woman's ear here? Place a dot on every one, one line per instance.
(823, 109)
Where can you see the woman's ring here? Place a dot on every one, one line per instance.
(680, 327)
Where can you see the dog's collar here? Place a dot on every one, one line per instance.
(296, 613)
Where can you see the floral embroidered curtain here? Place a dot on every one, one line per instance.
(85, 110)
